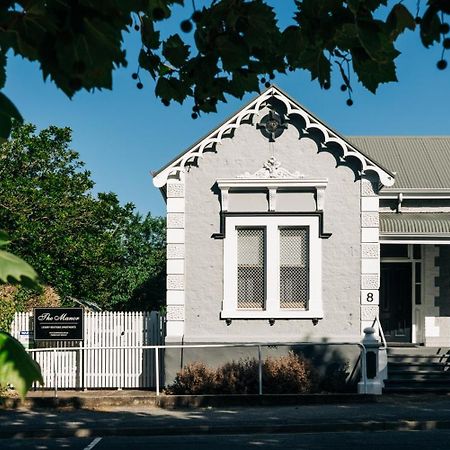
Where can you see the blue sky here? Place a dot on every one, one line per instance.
(124, 134)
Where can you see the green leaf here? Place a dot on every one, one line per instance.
(175, 50)
(242, 82)
(150, 37)
(8, 112)
(233, 51)
(8, 107)
(172, 88)
(4, 239)
(15, 270)
(399, 19)
(375, 40)
(430, 27)
(372, 73)
(2, 69)
(16, 366)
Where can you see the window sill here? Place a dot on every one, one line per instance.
(279, 314)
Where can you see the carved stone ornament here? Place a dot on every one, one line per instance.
(272, 169)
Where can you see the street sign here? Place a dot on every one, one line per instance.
(58, 324)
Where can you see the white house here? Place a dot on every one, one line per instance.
(280, 229)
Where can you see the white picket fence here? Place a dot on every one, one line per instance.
(100, 368)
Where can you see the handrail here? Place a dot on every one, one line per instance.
(157, 348)
(380, 330)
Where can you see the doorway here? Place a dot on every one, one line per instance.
(396, 301)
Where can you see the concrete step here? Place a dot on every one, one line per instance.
(417, 384)
(418, 369)
(419, 376)
(418, 364)
(407, 359)
(416, 390)
(418, 350)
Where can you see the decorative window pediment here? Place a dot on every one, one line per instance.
(273, 178)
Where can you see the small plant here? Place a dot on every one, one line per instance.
(336, 378)
(195, 378)
(289, 374)
(238, 377)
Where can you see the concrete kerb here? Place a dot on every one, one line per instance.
(180, 401)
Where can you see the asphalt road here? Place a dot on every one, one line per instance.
(398, 440)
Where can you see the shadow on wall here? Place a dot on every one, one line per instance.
(337, 366)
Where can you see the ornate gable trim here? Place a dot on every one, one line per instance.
(178, 165)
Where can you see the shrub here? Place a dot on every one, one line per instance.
(336, 378)
(195, 378)
(239, 377)
(290, 374)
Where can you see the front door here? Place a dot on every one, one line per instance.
(396, 301)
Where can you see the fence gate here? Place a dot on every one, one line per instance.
(99, 367)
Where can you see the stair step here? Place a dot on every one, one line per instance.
(424, 365)
(441, 383)
(393, 370)
(419, 376)
(414, 351)
(415, 390)
(418, 358)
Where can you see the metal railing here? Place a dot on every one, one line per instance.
(159, 348)
(380, 331)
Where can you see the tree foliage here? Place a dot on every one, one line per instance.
(234, 46)
(85, 246)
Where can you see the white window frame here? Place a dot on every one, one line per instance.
(272, 309)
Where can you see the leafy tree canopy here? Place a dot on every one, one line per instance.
(86, 247)
(234, 46)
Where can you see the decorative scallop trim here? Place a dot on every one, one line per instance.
(255, 108)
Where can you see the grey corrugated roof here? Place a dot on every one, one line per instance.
(420, 162)
(434, 224)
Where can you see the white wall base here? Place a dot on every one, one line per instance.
(373, 387)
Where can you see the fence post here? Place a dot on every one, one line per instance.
(122, 375)
(260, 371)
(157, 369)
(55, 376)
(370, 382)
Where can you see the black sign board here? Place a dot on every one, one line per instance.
(58, 324)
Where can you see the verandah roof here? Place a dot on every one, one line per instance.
(426, 225)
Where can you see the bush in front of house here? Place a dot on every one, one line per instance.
(194, 379)
(336, 378)
(289, 374)
(237, 377)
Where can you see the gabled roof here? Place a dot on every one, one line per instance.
(421, 163)
(255, 107)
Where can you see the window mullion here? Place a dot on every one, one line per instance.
(272, 268)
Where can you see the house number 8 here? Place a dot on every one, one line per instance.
(369, 298)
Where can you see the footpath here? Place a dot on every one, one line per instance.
(127, 414)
